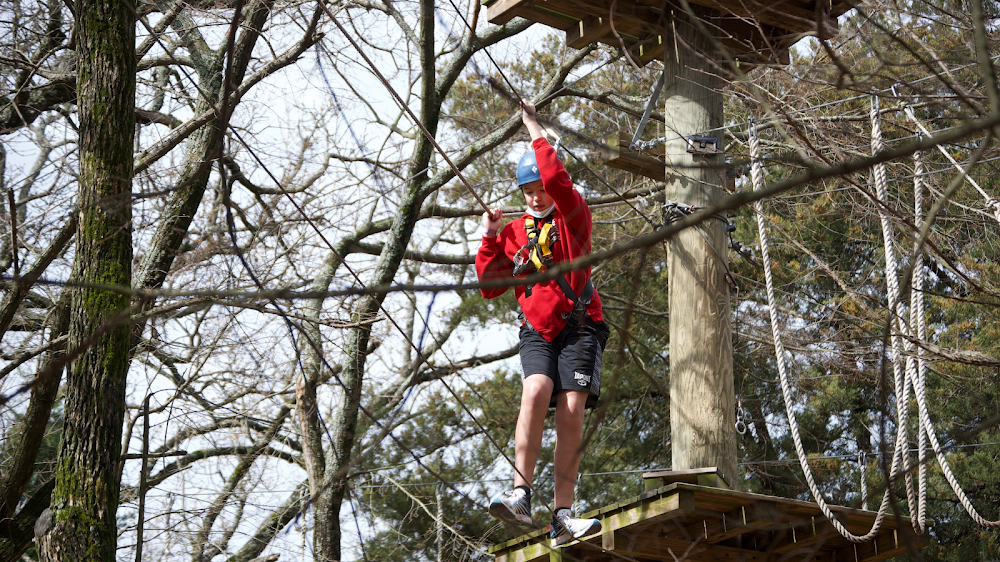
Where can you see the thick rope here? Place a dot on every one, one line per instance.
(864, 481)
(757, 177)
(920, 380)
(902, 379)
(921, 392)
(919, 324)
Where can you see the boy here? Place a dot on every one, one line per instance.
(563, 335)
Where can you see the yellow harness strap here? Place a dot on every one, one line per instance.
(541, 251)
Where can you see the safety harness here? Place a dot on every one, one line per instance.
(536, 255)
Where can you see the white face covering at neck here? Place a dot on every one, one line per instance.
(542, 214)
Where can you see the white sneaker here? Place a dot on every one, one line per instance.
(565, 528)
(513, 506)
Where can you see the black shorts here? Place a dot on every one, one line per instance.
(572, 360)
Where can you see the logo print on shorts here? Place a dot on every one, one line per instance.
(581, 379)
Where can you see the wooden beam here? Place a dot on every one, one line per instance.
(550, 14)
(617, 155)
(723, 526)
(709, 476)
(648, 50)
(882, 547)
(676, 504)
(586, 31)
(500, 12)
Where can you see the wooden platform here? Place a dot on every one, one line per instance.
(755, 31)
(616, 154)
(695, 523)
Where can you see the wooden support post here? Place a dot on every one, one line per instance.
(702, 410)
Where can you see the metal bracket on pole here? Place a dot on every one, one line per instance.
(703, 146)
(649, 109)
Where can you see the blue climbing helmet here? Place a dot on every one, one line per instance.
(527, 169)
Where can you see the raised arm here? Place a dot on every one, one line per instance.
(555, 179)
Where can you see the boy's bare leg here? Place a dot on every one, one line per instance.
(570, 406)
(536, 392)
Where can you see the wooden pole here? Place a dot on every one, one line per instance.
(702, 412)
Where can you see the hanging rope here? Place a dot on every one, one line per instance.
(902, 379)
(757, 177)
(864, 482)
(920, 326)
(920, 378)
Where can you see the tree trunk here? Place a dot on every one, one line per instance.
(82, 526)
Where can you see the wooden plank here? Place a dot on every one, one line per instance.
(660, 546)
(710, 476)
(660, 509)
(541, 13)
(660, 478)
(724, 526)
(617, 155)
(526, 538)
(500, 12)
(587, 30)
(530, 553)
(883, 547)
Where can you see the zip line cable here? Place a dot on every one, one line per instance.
(845, 457)
(402, 104)
(241, 141)
(388, 317)
(990, 203)
(469, 187)
(418, 123)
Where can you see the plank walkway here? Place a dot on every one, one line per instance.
(702, 523)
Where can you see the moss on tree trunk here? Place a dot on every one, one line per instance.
(85, 498)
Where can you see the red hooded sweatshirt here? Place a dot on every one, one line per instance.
(545, 308)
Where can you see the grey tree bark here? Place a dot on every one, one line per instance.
(82, 525)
